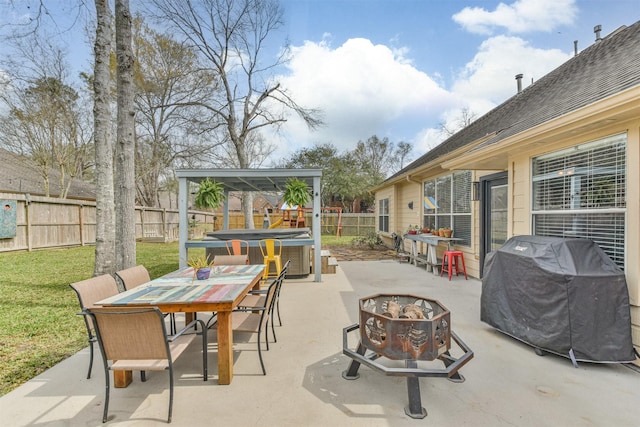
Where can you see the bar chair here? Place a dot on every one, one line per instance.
(450, 261)
(271, 250)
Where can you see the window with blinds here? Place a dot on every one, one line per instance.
(581, 192)
(383, 215)
(447, 203)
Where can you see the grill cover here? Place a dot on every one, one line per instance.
(564, 296)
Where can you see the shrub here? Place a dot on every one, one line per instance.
(371, 239)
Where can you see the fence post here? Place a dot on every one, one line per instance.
(165, 228)
(141, 221)
(81, 224)
(27, 204)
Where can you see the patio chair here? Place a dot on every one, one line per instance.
(90, 291)
(239, 248)
(256, 299)
(271, 250)
(230, 260)
(135, 339)
(254, 320)
(133, 277)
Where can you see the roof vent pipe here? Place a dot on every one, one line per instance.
(575, 48)
(519, 80)
(597, 30)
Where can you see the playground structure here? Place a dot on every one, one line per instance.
(286, 220)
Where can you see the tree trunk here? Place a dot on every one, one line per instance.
(105, 225)
(247, 209)
(125, 146)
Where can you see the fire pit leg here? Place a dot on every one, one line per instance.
(352, 372)
(414, 409)
(448, 360)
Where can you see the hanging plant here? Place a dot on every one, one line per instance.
(210, 195)
(296, 192)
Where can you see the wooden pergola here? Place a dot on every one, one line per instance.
(257, 180)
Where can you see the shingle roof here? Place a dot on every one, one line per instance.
(19, 174)
(607, 67)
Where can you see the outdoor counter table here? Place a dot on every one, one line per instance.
(179, 292)
(432, 241)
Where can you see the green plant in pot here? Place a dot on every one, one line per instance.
(210, 194)
(201, 266)
(296, 192)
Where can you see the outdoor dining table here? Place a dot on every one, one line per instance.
(180, 292)
(432, 242)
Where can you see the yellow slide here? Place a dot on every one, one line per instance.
(276, 224)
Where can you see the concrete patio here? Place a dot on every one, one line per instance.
(507, 384)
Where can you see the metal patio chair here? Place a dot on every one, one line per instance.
(255, 320)
(90, 291)
(135, 276)
(135, 339)
(256, 299)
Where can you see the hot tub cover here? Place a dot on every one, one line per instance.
(561, 295)
(258, 234)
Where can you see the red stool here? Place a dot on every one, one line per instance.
(450, 261)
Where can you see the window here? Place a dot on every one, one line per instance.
(581, 192)
(447, 203)
(383, 215)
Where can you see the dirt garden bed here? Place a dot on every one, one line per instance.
(360, 252)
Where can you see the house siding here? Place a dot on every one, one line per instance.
(593, 95)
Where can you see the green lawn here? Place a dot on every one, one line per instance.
(38, 322)
(39, 326)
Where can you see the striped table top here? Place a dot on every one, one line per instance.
(224, 285)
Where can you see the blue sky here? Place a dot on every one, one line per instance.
(399, 68)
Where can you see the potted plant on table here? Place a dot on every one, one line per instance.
(201, 266)
(296, 192)
(412, 229)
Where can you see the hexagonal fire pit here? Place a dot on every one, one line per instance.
(409, 328)
(403, 327)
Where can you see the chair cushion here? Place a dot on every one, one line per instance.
(252, 301)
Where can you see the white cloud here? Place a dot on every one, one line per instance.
(490, 75)
(362, 89)
(366, 89)
(518, 17)
(489, 79)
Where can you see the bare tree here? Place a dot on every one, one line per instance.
(125, 191)
(464, 119)
(230, 36)
(44, 119)
(403, 153)
(171, 86)
(105, 212)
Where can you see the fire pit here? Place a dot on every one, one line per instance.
(402, 327)
(409, 328)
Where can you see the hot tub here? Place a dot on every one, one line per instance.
(292, 247)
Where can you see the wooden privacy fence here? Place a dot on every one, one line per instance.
(45, 222)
